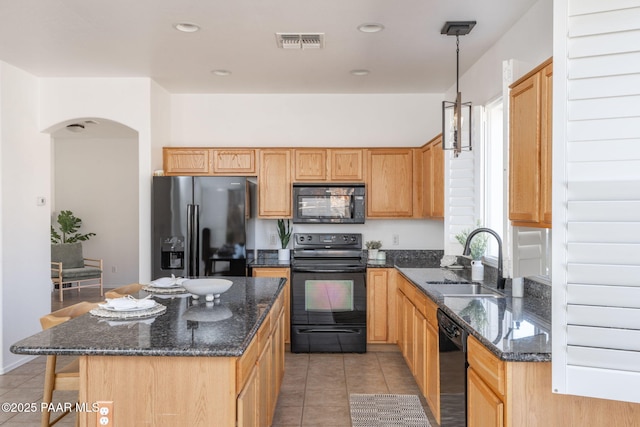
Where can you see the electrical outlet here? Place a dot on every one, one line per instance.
(273, 239)
(114, 269)
(105, 413)
(396, 239)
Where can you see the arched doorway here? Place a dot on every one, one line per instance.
(95, 175)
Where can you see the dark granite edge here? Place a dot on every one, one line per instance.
(506, 356)
(182, 352)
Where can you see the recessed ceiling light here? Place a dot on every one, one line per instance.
(221, 72)
(359, 72)
(186, 27)
(371, 28)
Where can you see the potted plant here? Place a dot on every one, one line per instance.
(284, 233)
(69, 225)
(477, 247)
(372, 248)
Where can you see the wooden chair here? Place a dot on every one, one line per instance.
(68, 266)
(122, 291)
(68, 376)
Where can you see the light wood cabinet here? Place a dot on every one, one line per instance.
(346, 164)
(187, 161)
(328, 165)
(418, 340)
(238, 162)
(389, 183)
(485, 408)
(274, 183)
(381, 306)
(530, 148)
(431, 180)
(310, 165)
(280, 272)
(265, 369)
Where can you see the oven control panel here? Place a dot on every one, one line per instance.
(328, 240)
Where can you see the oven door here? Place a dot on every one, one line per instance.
(328, 298)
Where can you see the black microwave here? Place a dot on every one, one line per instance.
(329, 203)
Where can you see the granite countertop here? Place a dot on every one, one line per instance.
(187, 328)
(514, 329)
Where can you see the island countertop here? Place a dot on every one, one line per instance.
(187, 328)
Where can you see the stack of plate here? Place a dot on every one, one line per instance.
(127, 308)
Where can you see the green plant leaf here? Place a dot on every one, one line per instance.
(284, 233)
(69, 225)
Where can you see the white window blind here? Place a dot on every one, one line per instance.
(596, 191)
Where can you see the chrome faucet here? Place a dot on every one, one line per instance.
(467, 250)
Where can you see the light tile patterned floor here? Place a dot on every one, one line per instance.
(315, 390)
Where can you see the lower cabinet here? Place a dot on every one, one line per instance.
(286, 273)
(485, 408)
(263, 367)
(381, 306)
(418, 340)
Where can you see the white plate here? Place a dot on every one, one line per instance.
(145, 306)
(167, 282)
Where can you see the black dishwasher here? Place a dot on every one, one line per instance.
(453, 372)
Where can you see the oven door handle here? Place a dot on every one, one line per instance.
(328, 330)
(329, 270)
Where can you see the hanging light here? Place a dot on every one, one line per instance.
(456, 116)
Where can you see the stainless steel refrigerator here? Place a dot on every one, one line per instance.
(198, 226)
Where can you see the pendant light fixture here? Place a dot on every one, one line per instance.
(456, 116)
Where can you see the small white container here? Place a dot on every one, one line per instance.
(477, 270)
(517, 287)
(382, 256)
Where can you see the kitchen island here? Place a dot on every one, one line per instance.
(194, 365)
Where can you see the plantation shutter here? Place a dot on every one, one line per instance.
(596, 208)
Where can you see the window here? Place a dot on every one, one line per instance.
(493, 173)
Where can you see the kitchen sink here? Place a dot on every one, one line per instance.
(467, 290)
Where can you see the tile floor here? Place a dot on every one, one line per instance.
(315, 390)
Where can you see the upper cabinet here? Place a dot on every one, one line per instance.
(236, 162)
(209, 161)
(187, 161)
(340, 165)
(389, 183)
(530, 148)
(431, 170)
(274, 183)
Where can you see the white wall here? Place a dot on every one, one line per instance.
(97, 180)
(126, 101)
(25, 282)
(310, 120)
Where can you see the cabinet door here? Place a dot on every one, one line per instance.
(186, 161)
(400, 297)
(286, 273)
(390, 183)
(432, 177)
(264, 385)
(420, 351)
(377, 305)
(310, 165)
(524, 152)
(432, 394)
(248, 402)
(234, 162)
(274, 184)
(409, 313)
(484, 408)
(437, 178)
(545, 145)
(346, 164)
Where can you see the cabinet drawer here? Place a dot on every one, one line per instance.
(487, 366)
(246, 363)
(430, 314)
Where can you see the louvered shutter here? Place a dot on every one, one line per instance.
(596, 191)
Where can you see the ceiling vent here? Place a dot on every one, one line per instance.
(300, 40)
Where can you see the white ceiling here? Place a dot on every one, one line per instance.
(136, 38)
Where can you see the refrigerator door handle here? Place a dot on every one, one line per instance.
(192, 237)
(195, 236)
